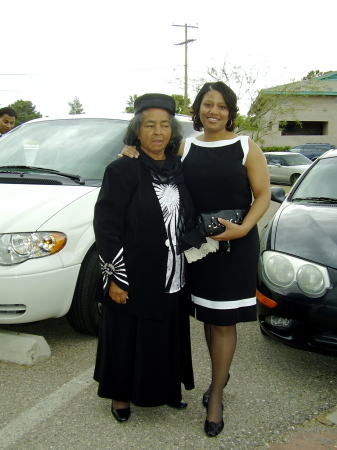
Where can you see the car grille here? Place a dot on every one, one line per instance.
(28, 181)
(7, 311)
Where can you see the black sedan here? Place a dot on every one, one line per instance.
(297, 274)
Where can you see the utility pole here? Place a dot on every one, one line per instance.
(187, 41)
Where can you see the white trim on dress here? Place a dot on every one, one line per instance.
(243, 139)
(228, 304)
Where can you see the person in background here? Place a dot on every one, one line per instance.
(7, 119)
(144, 351)
(223, 171)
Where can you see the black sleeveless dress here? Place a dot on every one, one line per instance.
(223, 283)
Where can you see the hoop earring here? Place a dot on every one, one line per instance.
(228, 126)
(197, 121)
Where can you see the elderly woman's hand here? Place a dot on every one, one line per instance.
(117, 294)
(129, 151)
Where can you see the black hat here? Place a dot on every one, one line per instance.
(162, 101)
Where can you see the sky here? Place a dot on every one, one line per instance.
(104, 51)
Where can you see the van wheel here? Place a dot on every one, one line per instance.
(84, 313)
(294, 178)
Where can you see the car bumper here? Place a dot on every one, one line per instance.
(307, 326)
(36, 290)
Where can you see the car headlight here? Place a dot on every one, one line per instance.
(285, 271)
(16, 248)
(310, 279)
(279, 270)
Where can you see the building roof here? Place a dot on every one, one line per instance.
(322, 85)
(329, 76)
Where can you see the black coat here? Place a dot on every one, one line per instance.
(128, 215)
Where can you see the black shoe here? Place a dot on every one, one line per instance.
(121, 415)
(212, 429)
(178, 405)
(205, 397)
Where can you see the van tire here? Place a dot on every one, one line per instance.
(84, 313)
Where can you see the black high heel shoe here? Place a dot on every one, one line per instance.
(205, 397)
(121, 415)
(212, 429)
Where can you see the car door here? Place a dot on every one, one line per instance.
(275, 169)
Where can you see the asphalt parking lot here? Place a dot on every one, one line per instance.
(275, 392)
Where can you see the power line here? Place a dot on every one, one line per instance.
(186, 42)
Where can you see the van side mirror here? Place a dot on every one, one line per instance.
(278, 194)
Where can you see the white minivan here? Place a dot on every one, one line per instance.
(50, 175)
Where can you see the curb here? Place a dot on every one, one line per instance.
(21, 348)
(319, 433)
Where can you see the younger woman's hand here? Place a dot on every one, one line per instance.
(129, 151)
(233, 231)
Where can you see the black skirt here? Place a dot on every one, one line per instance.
(223, 284)
(145, 361)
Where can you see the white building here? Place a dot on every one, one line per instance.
(306, 114)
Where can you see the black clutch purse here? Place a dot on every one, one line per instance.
(209, 224)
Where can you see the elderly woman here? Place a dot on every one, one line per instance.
(144, 351)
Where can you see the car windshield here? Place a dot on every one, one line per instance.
(320, 182)
(288, 160)
(77, 146)
(296, 160)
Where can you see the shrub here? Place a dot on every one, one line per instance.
(276, 149)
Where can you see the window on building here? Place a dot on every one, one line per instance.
(303, 128)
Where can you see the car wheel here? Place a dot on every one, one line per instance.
(294, 178)
(84, 313)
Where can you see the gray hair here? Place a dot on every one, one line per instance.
(132, 132)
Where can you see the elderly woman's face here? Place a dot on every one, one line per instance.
(155, 132)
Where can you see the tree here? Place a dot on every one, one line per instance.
(76, 106)
(131, 102)
(25, 111)
(314, 74)
(243, 82)
(269, 107)
(179, 99)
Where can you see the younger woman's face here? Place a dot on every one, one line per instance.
(213, 111)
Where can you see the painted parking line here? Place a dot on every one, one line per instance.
(44, 408)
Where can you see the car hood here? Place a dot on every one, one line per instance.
(307, 231)
(27, 208)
